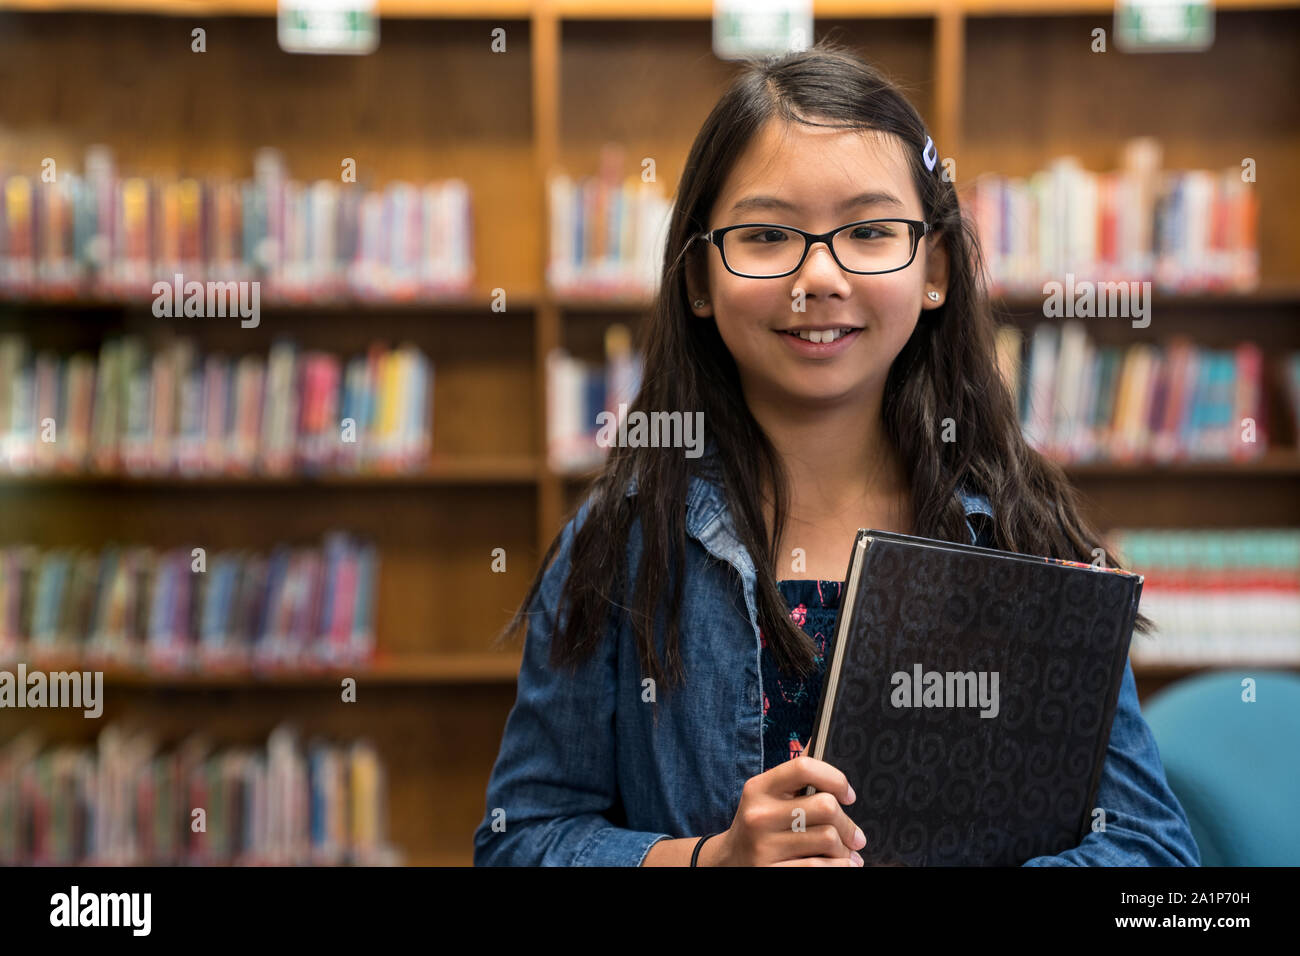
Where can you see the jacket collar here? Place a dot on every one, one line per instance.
(708, 520)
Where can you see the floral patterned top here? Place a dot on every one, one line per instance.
(789, 701)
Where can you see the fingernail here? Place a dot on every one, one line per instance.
(852, 796)
(857, 860)
(859, 837)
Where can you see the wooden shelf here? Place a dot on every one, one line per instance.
(613, 9)
(1275, 294)
(703, 9)
(1278, 294)
(447, 306)
(596, 303)
(501, 470)
(1281, 461)
(466, 668)
(850, 9)
(995, 8)
(484, 668)
(425, 9)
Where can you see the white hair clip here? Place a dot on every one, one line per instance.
(930, 154)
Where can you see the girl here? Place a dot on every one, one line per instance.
(821, 305)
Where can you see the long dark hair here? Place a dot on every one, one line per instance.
(947, 369)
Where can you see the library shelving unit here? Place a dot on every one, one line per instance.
(1005, 84)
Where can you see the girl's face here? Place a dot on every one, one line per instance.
(814, 178)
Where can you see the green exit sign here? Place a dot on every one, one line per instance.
(1163, 25)
(327, 26)
(743, 28)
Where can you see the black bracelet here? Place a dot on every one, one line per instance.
(699, 843)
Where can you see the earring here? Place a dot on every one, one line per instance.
(699, 303)
(934, 296)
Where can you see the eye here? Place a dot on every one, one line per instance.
(763, 235)
(873, 231)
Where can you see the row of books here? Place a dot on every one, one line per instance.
(608, 231)
(1079, 401)
(173, 410)
(1083, 401)
(102, 234)
(579, 392)
(1184, 231)
(1217, 596)
(182, 609)
(127, 800)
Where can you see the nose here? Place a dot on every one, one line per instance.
(820, 272)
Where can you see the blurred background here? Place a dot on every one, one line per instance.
(285, 520)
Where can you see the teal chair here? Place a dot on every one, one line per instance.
(1234, 766)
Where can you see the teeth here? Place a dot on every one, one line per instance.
(821, 338)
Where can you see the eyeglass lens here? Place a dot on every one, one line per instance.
(762, 250)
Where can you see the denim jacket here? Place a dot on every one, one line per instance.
(584, 777)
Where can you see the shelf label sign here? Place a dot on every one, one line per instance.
(760, 27)
(1155, 26)
(327, 26)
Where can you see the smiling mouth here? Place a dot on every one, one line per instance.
(820, 337)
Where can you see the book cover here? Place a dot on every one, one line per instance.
(970, 696)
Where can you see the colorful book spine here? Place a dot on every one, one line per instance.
(138, 608)
(177, 412)
(1217, 597)
(607, 231)
(125, 801)
(1185, 231)
(1082, 401)
(579, 393)
(105, 235)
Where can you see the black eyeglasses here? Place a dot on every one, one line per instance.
(762, 250)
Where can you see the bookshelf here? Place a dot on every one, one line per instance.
(409, 669)
(432, 103)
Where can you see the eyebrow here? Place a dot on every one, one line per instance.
(874, 198)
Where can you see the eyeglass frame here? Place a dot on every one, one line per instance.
(919, 230)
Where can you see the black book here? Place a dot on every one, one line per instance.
(969, 698)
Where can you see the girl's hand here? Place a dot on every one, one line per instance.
(768, 830)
